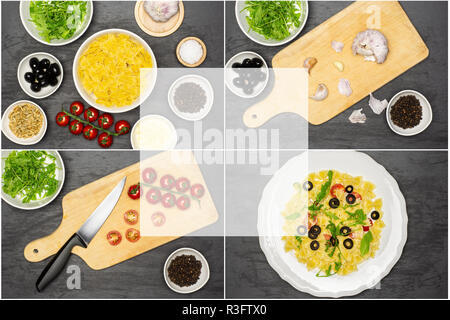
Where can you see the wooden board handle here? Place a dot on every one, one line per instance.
(42, 248)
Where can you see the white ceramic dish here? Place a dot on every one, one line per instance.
(24, 67)
(278, 192)
(89, 98)
(256, 37)
(427, 114)
(206, 86)
(172, 141)
(33, 32)
(8, 133)
(32, 205)
(230, 74)
(204, 273)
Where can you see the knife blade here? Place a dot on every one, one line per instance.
(82, 237)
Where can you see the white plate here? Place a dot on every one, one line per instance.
(204, 273)
(60, 176)
(230, 74)
(89, 98)
(24, 67)
(427, 114)
(8, 133)
(252, 35)
(172, 140)
(32, 31)
(206, 86)
(280, 189)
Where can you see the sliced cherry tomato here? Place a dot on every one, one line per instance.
(89, 132)
(122, 127)
(149, 175)
(132, 235)
(197, 190)
(76, 127)
(366, 228)
(168, 200)
(153, 196)
(134, 192)
(183, 203)
(336, 187)
(90, 114)
(76, 108)
(182, 184)
(131, 217)
(105, 121)
(357, 195)
(62, 119)
(167, 181)
(105, 140)
(114, 237)
(158, 219)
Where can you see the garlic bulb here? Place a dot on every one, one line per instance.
(376, 105)
(309, 63)
(161, 11)
(357, 117)
(337, 46)
(344, 87)
(371, 44)
(321, 93)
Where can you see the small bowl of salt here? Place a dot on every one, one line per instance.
(191, 52)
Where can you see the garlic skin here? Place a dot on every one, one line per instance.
(161, 11)
(309, 63)
(344, 87)
(357, 116)
(321, 93)
(337, 46)
(371, 44)
(376, 105)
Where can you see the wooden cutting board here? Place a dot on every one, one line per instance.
(80, 203)
(406, 49)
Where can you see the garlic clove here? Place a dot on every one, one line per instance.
(309, 63)
(321, 93)
(339, 65)
(337, 46)
(344, 87)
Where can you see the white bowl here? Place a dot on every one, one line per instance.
(32, 205)
(427, 114)
(204, 273)
(206, 86)
(230, 74)
(32, 31)
(258, 38)
(8, 133)
(24, 67)
(88, 97)
(172, 141)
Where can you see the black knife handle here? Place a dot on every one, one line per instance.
(58, 262)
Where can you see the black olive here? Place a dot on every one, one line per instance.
(307, 186)
(29, 77)
(248, 89)
(44, 64)
(345, 231)
(375, 215)
(334, 242)
(262, 76)
(34, 63)
(54, 69)
(334, 203)
(348, 243)
(247, 63)
(236, 65)
(301, 230)
(44, 82)
(257, 62)
(40, 76)
(349, 189)
(350, 198)
(35, 87)
(314, 245)
(312, 235)
(315, 229)
(53, 81)
(237, 82)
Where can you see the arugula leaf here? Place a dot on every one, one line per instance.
(293, 216)
(365, 243)
(299, 240)
(358, 217)
(330, 215)
(324, 190)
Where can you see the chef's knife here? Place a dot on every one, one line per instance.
(82, 237)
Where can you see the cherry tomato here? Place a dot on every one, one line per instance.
(153, 196)
(131, 217)
(197, 190)
(158, 219)
(76, 127)
(62, 119)
(134, 192)
(90, 114)
(149, 175)
(168, 200)
(357, 195)
(132, 235)
(105, 140)
(336, 187)
(114, 237)
(105, 121)
(76, 108)
(122, 127)
(167, 181)
(89, 132)
(182, 184)
(183, 202)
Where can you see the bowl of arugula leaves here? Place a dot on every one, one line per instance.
(271, 23)
(56, 23)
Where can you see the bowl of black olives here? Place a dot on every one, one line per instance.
(246, 74)
(40, 74)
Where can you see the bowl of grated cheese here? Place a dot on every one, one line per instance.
(153, 132)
